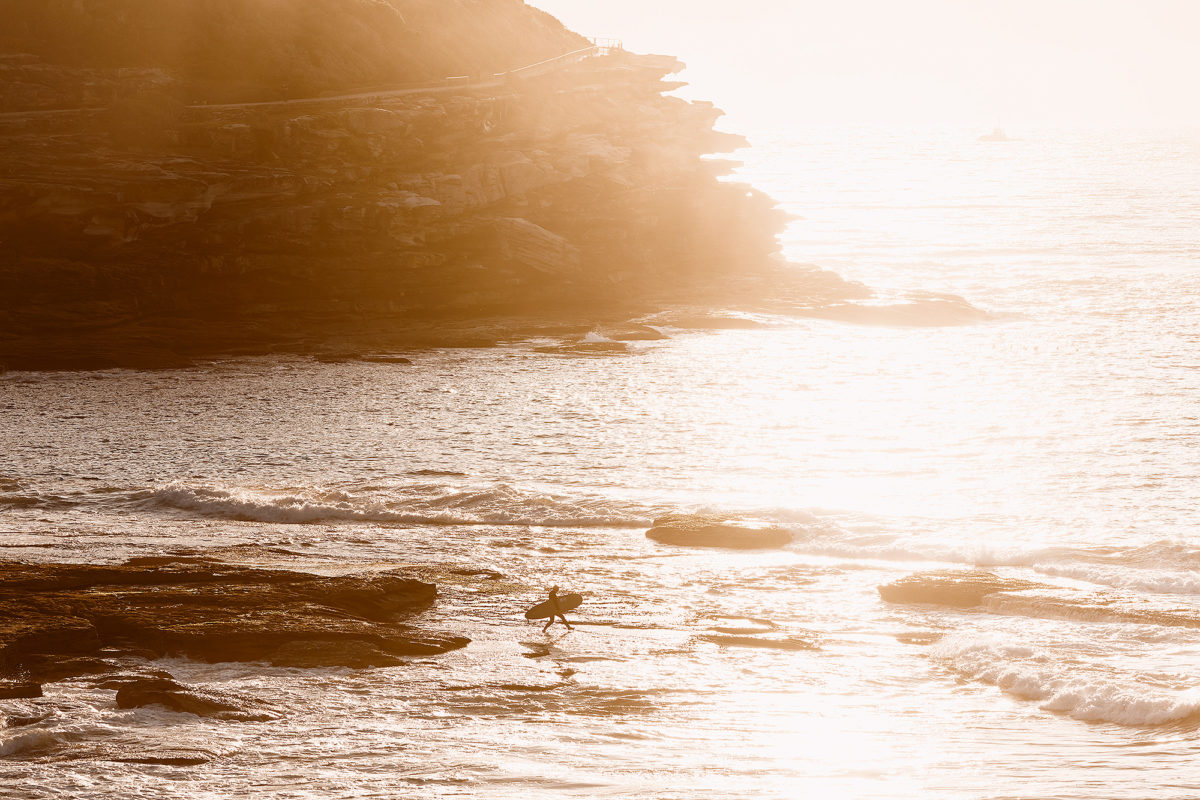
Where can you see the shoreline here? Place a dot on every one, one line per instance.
(154, 342)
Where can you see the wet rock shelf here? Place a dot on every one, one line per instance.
(57, 619)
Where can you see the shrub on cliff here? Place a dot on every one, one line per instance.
(233, 49)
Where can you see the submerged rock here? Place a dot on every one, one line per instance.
(701, 531)
(120, 681)
(25, 720)
(763, 643)
(584, 348)
(335, 358)
(1015, 597)
(55, 617)
(957, 588)
(634, 332)
(385, 359)
(170, 758)
(17, 690)
(707, 320)
(50, 667)
(138, 692)
(1094, 606)
(347, 358)
(385, 652)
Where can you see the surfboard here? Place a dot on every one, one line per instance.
(566, 602)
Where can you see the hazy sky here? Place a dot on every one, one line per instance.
(971, 62)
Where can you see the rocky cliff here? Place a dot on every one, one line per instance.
(245, 50)
(145, 221)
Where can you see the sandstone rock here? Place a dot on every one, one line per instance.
(956, 588)
(533, 246)
(516, 173)
(169, 758)
(139, 693)
(251, 229)
(121, 680)
(385, 359)
(50, 667)
(335, 358)
(361, 654)
(372, 120)
(584, 348)
(633, 332)
(52, 614)
(357, 654)
(12, 690)
(25, 720)
(702, 531)
(27, 630)
(792, 643)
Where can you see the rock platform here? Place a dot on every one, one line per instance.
(60, 621)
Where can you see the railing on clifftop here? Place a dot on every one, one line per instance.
(599, 47)
(542, 67)
(606, 45)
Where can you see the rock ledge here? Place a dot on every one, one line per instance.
(57, 619)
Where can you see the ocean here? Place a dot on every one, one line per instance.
(1056, 441)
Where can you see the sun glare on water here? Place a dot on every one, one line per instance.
(333, 334)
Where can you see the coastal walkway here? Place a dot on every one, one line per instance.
(599, 47)
(495, 80)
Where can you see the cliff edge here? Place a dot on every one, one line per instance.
(195, 178)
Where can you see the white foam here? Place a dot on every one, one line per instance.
(828, 541)
(1161, 568)
(595, 337)
(24, 741)
(416, 505)
(1124, 577)
(778, 515)
(1085, 694)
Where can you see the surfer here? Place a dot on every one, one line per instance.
(555, 610)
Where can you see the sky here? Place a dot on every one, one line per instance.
(771, 63)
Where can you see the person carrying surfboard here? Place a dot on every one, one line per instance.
(555, 610)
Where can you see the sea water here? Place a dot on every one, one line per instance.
(1057, 441)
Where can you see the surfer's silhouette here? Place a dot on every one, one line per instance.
(555, 611)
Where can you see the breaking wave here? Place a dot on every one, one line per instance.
(422, 504)
(15, 496)
(1084, 694)
(28, 743)
(1159, 568)
(1092, 607)
(1011, 596)
(1123, 577)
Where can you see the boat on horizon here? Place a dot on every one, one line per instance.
(997, 135)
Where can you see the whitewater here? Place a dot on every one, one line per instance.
(1053, 441)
